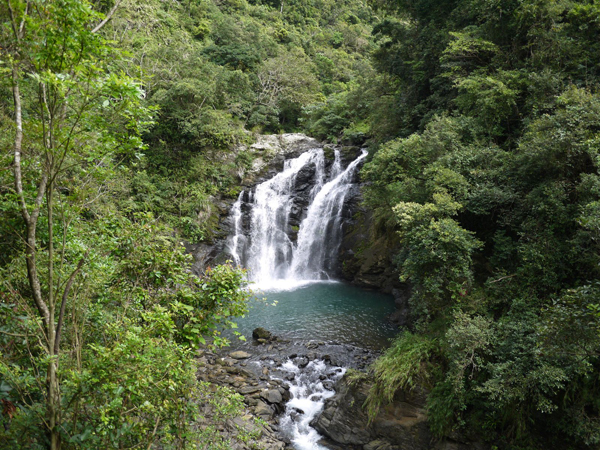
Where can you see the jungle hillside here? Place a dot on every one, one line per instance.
(125, 123)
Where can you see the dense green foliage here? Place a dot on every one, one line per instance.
(100, 316)
(117, 137)
(221, 70)
(483, 117)
(488, 169)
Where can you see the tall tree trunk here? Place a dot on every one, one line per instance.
(52, 384)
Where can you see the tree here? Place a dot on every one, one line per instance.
(70, 116)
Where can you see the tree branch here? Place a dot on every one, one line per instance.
(30, 220)
(107, 18)
(63, 303)
(504, 278)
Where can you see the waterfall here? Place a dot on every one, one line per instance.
(292, 227)
(320, 236)
(238, 236)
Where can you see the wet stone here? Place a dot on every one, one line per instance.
(240, 355)
(272, 396)
(249, 390)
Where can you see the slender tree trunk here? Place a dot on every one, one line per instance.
(45, 309)
(29, 219)
(53, 398)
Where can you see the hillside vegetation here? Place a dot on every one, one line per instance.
(122, 122)
(118, 125)
(487, 168)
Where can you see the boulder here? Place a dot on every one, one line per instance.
(273, 396)
(261, 333)
(263, 410)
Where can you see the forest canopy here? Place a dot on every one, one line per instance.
(487, 170)
(123, 123)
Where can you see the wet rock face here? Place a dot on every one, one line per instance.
(367, 258)
(401, 316)
(402, 425)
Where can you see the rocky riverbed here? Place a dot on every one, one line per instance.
(265, 371)
(298, 391)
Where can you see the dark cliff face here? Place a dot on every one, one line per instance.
(366, 259)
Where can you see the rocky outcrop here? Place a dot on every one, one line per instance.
(402, 425)
(271, 150)
(366, 256)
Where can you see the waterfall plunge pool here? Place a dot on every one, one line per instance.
(328, 311)
(345, 318)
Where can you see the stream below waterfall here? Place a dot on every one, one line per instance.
(287, 231)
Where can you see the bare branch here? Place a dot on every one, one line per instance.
(63, 303)
(107, 18)
(504, 278)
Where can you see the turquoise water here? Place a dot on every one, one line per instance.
(323, 311)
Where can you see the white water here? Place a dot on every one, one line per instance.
(235, 247)
(319, 237)
(308, 398)
(273, 260)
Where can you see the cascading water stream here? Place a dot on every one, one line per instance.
(320, 233)
(286, 233)
(266, 249)
(309, 392)
(236, 214)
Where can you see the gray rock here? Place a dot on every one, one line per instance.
(272, 396)
(263, 410)
(240, 355)
(345, 422)
(261, 333)
(302, 362)
(247, 390)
